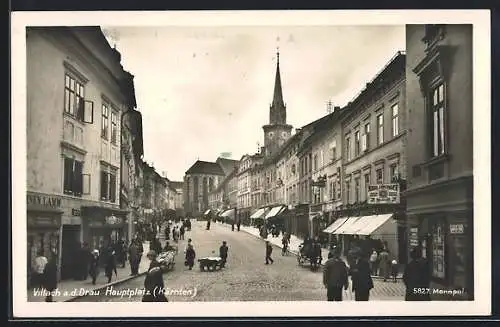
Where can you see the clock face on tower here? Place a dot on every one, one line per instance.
(284, 134)
(271, 135)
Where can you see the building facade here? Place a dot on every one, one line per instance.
(374, 132)
(75, 81)
(440, 163)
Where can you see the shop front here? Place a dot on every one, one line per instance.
(444, 233)
(43, 228)
(103, 225)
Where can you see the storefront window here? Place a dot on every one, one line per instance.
(459, 261)
(438, 250)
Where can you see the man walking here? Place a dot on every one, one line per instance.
(269, 251)
(223, 253)
(335, 276)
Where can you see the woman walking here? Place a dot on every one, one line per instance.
(362, 281)
(94, 266)
(190, 256)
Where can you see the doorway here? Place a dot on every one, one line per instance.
(70, 247)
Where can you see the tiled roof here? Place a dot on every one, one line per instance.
(205, 167)
(176, 184)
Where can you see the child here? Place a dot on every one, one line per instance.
(394, 270)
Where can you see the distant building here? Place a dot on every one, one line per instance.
(202, 178)
(439, 94)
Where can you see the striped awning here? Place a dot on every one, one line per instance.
(259, 213)
(275, 211)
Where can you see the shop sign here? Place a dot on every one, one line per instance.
(41, 221)
(456, 228)
(113, 220)
(383, 194)
(43, 200)
(413, 236)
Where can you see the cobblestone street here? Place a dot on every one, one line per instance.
(246, 277)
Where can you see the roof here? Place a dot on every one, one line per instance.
(205, 167)
(227, 165)
(176, 184)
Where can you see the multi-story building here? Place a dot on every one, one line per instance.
(178, 197)
(131, 159)
(77, 91)
(244, 177)
(202, 178)
(374, 131)
(440, 164)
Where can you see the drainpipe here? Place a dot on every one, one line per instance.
(129, 220)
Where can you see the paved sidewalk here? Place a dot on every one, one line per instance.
(293, 246)
(69, 290)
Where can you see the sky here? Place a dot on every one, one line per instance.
(206, 91)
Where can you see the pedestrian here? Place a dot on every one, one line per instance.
(373, 262)
(153, 283)
(182, 231)
(238, 225)
(269, 251)
(383, 262)
(175, 234)
(167, 232)
(208, 224)
(417, 277)
(94, 266)
(85, 256)
(190, 256)
(38, 268)
(155, 245)
(133, 257)
(110, 266)
(50, 276)
(169, 248)
(394, 271)
(232, 225)
(190, 242)
(362, 281)
(335, 276)
(223, 253)
(285, 242)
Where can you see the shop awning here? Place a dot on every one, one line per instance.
(346, 227)
(275, 211)
(335, 225)
(206, 212)
(259, 213)
(228, 213)
(372, 224)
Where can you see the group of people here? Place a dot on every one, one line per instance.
(177, 231)
(311, 249)
(336, 276)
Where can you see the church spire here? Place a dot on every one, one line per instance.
(277, 114)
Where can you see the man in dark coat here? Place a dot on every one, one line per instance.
(190, 256)
(269, 251)
(133, 257)
(94, 266)
(110, 266)
(361, 277)
(417, 277)
(153, 284)
(223, 253)
(50, 276)
(335, 276)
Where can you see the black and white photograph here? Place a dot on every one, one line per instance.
(251, 163)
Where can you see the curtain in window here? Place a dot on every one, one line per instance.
(68, 175)
(104, 185)
(77, 178)
(112, 187)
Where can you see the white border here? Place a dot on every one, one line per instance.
(482, 195)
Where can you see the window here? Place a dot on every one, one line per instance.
(347, 191)
(108, 186)
(437, 120)
(365, 144)
(438, 249)
(380, 176)
(104, 122)
(75, 104)
(73, 177)
(357, 189)
(367, 183)
(380, 129)
(395, 120)
(348, 148)
(73, 95)
(332, 190)
(315, 162)
(333, 150)
(114, 129)
(356, 144)
(393, 171)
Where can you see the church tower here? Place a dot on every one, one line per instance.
(277, 131)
